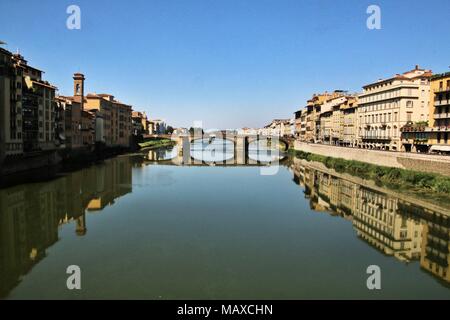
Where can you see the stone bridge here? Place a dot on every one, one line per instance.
(240, 143)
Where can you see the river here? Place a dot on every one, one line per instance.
(143, 226)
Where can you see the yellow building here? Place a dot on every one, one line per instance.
(432, 135)
(140, 123)
(439, 132)
(307, 120)
(117, 123)
(348, 122)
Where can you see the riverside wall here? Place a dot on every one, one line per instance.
(411, 161)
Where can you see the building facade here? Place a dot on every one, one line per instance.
(279, 127)
(439, 137)
(140, 123)
(115, 123)
(387, 105)
(28, 108)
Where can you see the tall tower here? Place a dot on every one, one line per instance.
(78, 88)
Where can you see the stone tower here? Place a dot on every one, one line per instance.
(78, 88)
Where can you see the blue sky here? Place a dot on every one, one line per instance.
(229, 63)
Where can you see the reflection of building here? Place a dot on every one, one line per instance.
(379, 221)
(113, 181)
(30, 214)
(391, 225)
(435, 257)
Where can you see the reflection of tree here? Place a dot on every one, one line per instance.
(30, 214)
(393, 226)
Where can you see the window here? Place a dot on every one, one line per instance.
(409, 104)
(409, 116)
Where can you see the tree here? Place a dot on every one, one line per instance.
(169, 130)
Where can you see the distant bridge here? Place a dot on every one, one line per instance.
(241, 143)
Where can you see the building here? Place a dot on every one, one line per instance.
(279, 127)
(158, 126)
(307, 120)
(115, 124)
(330, 120)
(439, 138)
(300, 124)
(88, 120)
(141, 124)
(434, 135)
(27, 111)
(69, 124)
(338, 121)
(349, 122)
(10, 129)
(387, 105)
(247, 131)
(76, 126)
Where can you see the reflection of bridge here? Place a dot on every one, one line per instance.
(181, 159)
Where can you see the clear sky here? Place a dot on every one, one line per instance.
(228, 63)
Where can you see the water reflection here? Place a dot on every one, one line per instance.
(396, 227)
(218, 151)
(212, 150)
(31, 215)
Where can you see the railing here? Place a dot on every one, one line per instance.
(442, 89)
(442, 115)
(438, 103)
(375, 137)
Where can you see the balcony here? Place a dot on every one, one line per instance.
(375, 137)
(439, 103)
(441, 115)
(443, 89)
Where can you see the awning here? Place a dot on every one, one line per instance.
(440, 148)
